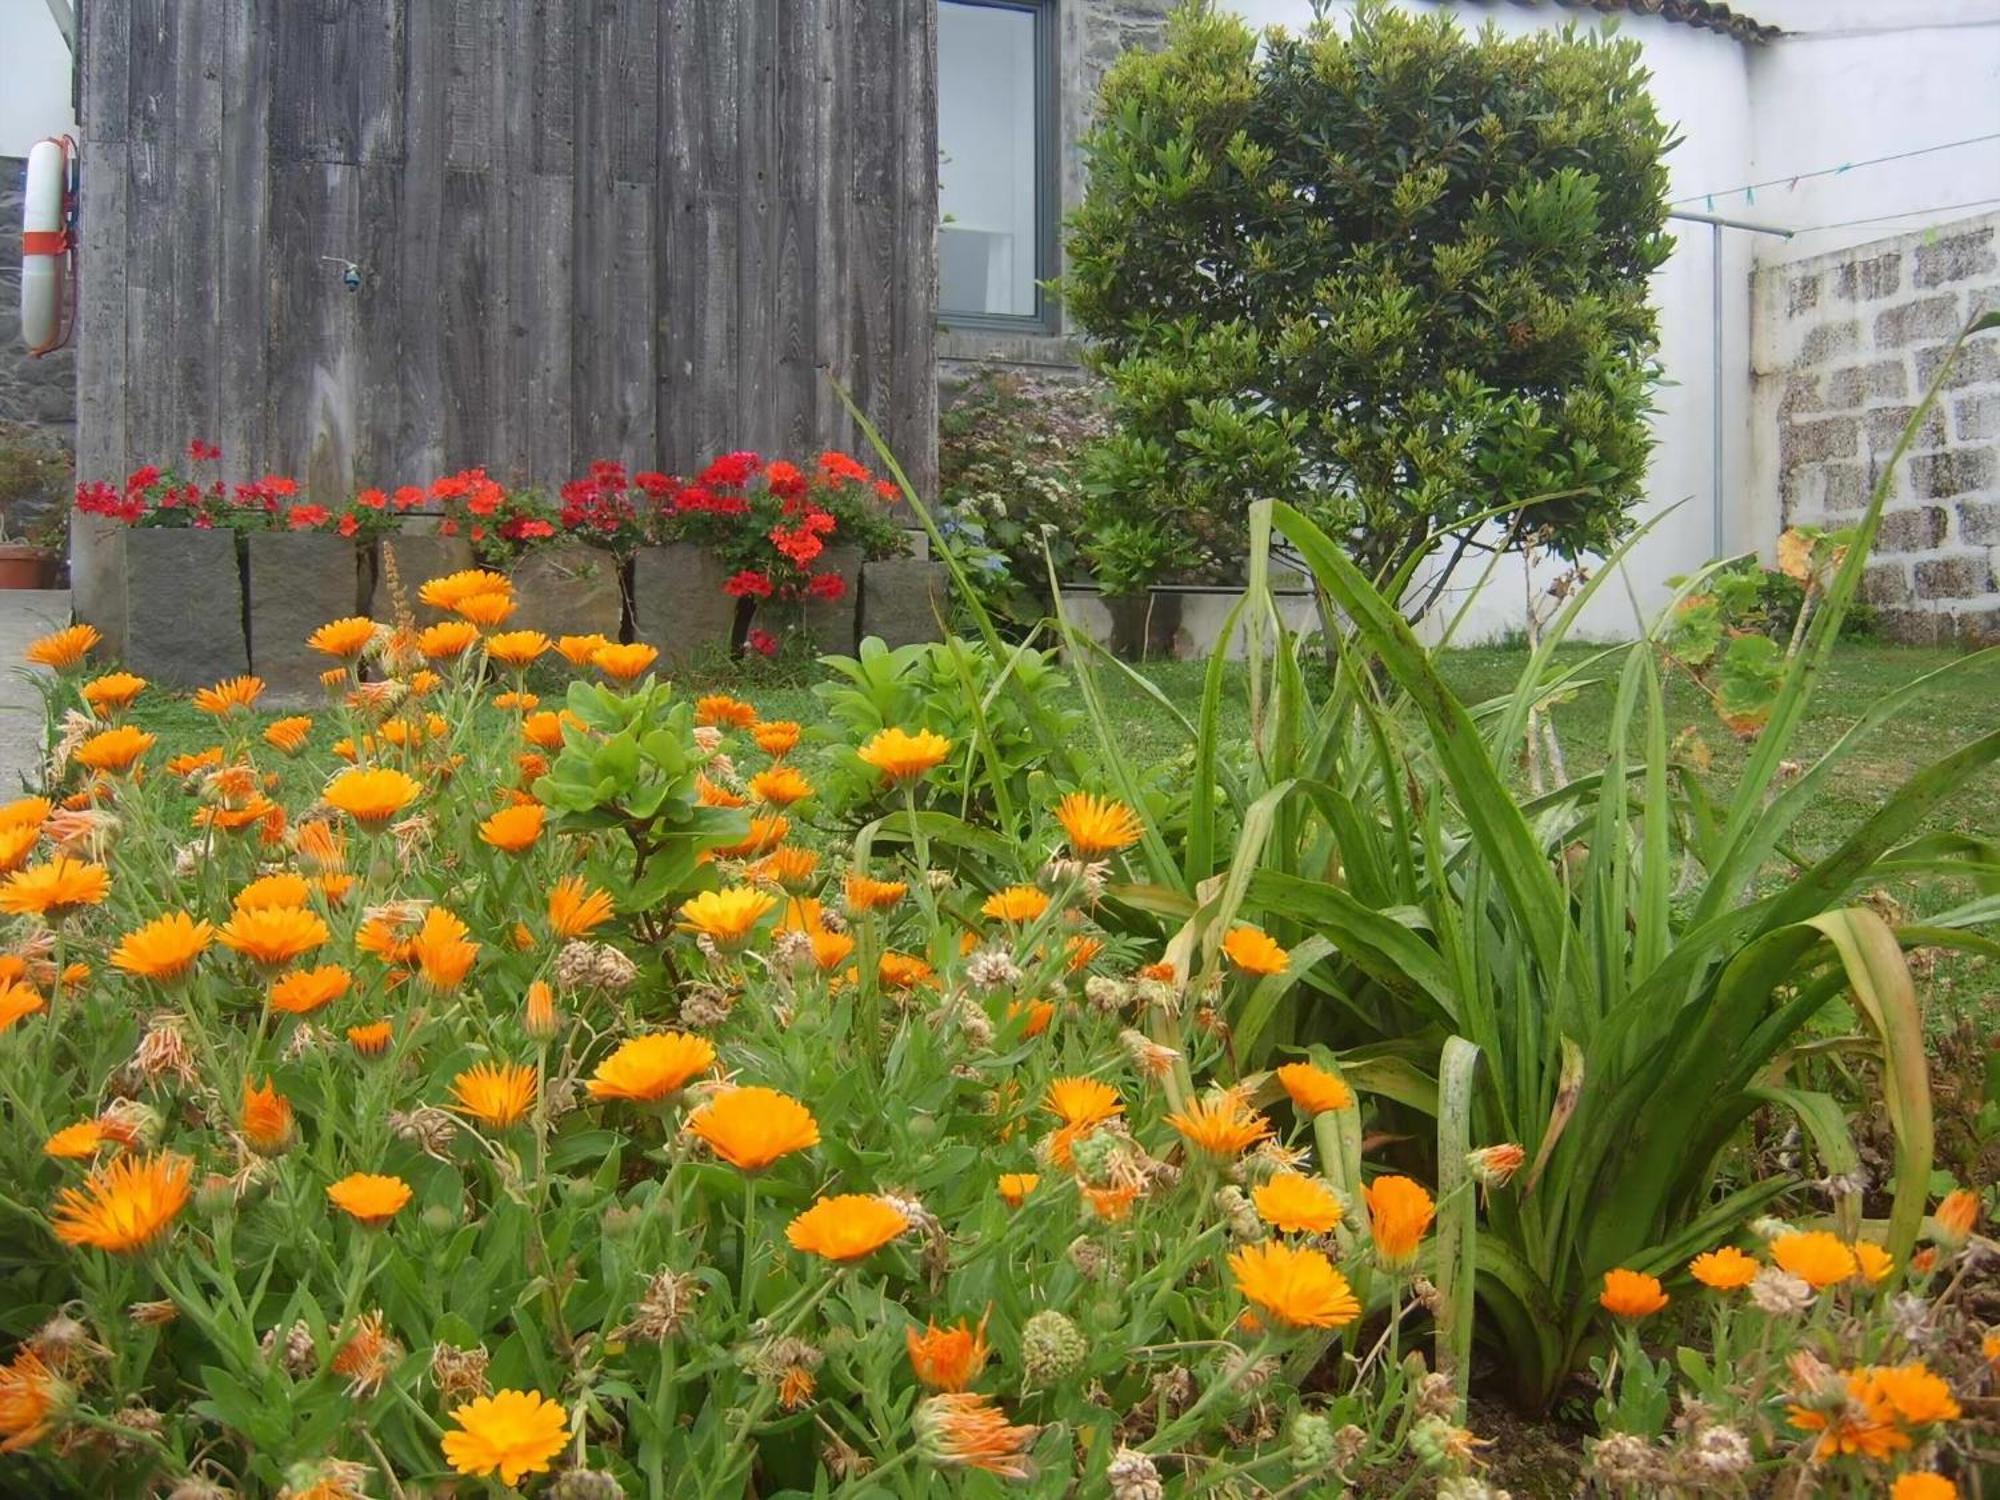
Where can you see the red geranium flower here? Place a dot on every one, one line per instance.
(200, 452)
(762, 642)
(838, 468)
(827, 586)
(731, 471)
(746, 584)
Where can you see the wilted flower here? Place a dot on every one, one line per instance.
(1052, 1349)
(1779, 1293)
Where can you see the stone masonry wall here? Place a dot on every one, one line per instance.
(1844, 346)
(37, 392)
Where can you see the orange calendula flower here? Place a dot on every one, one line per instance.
(303, 991)
(1112, 1204)
(1631, 1294)
(752, 1127)
(112, 692)
(485, 609)
(1297, 1204)
(369, 1197)
(26, 812)
(789, 866)
(538, 1010)
(17, 843)
(1017, 904)
(1254, 951)
(1495, 1166)
(780, 786)
(274, 935)
(55, 889)
(865, 894)
(345, 639)
(495, 1094)
(1872, 1411)
(372, 797)
(267, 1120)
(830, 949)
(647, 1069)
(113, 750)
(575, 909)
(727, 917)
(947, 1359)
(543, 730)
(777, 738)
(1040, 1014)
(903, 971)
(289, 735)
(124, 1205)
(708, 794)
(1817, 1258)
(902, 756)
(1923, 1486)
(1875, 1262)
(198, 760)
(513, 830)
(623, 663)
(517, 648)
(33, 1398)
(846, 1227)
(1097, 826)
(75, 1142)
(1399, 1212)
(230, 695)
(765, 835)
(372, 1039)
(1953, 1220)
(1081, 1101)
(65, 648)
(963, 1430)
(1298, 1288)
(509, 1433)
(1015, 1187)
(724, 712)
(280, 888)
(17, 1003)
(452, 589)
(442, 951)
(1724, 1270)
(447, 639)
(1222, 1125)
(164, 949)
(577, 650)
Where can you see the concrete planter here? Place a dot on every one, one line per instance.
(678, 605)
(298, 582)
(183, 609)
(902, 600)
(1200, 615)
(569, 589)
(1143, 625)
(416, 558)
(829, 623)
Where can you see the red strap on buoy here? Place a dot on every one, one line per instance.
(45, 242)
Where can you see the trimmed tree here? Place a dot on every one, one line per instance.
(1394, 273)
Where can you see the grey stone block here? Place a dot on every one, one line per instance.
(1930, 318)
(903, 599)
(1866, 280)
(569, 589)
(1965, 575)
(678, 605)
(1956, 257)
(1938, 476)
(1976, 418)
(830, 622)
(1886, 424)
(183, 606)
(1919, 530)
(1801, 295)
(1810, 442)
(97, 576)
(416, 559)
(1886, 583)
(1979, 521)
(1884, 380)
(1829, 339)
(297, 584)
(1978, 364)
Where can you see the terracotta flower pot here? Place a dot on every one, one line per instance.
(25, 567)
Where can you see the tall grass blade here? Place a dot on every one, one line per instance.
(1457, 1216)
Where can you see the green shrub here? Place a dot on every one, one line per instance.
(1395, 275)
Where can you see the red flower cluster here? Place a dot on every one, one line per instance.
(156, 497)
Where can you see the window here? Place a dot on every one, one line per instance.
(996, 167)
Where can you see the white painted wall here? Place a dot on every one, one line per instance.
(34, 77)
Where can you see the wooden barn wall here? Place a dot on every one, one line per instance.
(644, 230)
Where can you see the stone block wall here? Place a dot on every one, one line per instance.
(1844, 346)
(35, 392)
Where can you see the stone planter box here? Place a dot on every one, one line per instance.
(902, 600)
(1143, 625)
(419, 557)
(678, 605)
(569, 589)
(183, 606)
(830, 622)
(298, 582)
(1200, 615)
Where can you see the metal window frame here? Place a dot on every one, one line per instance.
(1048, 179)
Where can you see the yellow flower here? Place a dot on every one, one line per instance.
(164, 948)
(1399, 1211)
(1254, 951)
(724, 712)
(65, 648)
(1221, 1125)
(113, 691)
(124, 1205)
(864, 894)
(447, 639)
(498, 1095)
(274, 935)
(370, 1198)
(1875, 1262)
(55, 889)
(1631, 1294)
(1015, 1187)
(1297, 1204)
(1097, 826)
(727, 916)
(267, 1119)
(345, 639)
(622, 663)
(1017, 904)
(1298, 1288)
(513, 830)
(846, 1227)
(229, 695)
(647, 1069)
(902, 756)
(752, 1127)
(947, 1359)
(113, 750)
(74, 1142)
(575, 909)
(441, 950)
(1954, 1218)
(372, 797)
(780, 786)
(516, 648)
(1082, 1101)
(1724, 1270)
(509, 1433)
(303, 991)
(1817, 1258)
(289, 735)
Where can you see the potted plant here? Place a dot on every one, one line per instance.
(1127, 559)
(35, 470)
(313, 568)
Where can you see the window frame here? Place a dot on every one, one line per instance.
(1048, 183)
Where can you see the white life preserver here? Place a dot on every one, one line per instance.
(47, 243)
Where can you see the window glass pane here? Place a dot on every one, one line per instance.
(986, 168)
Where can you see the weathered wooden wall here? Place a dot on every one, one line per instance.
(646, 230)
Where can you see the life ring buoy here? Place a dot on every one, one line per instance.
(47, 244)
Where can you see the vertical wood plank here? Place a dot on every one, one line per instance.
(413, 258)
(243, 429)
(105, 48)
(759, 266)
(913, 397)
(314, 355)
(101, 368)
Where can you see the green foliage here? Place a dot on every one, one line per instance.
(1397, 274)
(36, 471)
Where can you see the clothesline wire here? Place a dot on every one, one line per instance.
(1846, 166)
(1908, 213)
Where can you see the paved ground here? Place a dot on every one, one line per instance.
(24, 615)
